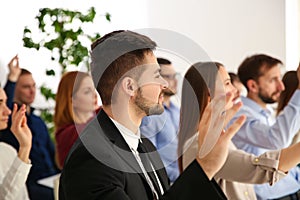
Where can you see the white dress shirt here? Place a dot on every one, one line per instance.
(133, 141)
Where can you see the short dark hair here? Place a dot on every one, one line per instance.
(115, 54)
(163, 61)
(254, 66)
(24, 71)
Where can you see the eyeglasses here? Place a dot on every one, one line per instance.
(170, 76)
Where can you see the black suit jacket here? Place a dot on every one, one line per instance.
(100, 165)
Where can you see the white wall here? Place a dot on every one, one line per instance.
(292, 34)
(15, 16)
(227, 30)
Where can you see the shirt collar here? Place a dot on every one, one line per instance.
(255, 106)
(172, 106)
(131, 139)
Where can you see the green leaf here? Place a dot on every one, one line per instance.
(47, 93)
(47, 117)
(107, 16)
(63, 42)
(27, 42)
(26, 30)
(50, 72)
(55, 43)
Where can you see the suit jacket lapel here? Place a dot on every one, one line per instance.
(113, 150)
(119, 144)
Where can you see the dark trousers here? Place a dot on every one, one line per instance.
(295, 196)
(39, 192)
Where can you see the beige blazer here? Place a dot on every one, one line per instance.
(240, 170)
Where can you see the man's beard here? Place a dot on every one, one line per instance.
(266, 99)
(146, 106)
(168, 92)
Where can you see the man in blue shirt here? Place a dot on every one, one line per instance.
(20, 88)
(162, 129)
(261, 75)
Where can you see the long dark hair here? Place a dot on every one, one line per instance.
(198, 86)
(290, 81)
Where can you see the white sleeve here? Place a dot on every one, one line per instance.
(14, 179)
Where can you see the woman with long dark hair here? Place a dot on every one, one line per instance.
(204, 82)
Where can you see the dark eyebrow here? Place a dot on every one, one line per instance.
(1, 100)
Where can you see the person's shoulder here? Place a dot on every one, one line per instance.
(34, 115)
(65, 128)
(36, 118)
(295, 97)
(151, 125)
(153, 120)
(175, 106)
(9, 83)
(7, 149)
(7, 156)
(249, 107)
(77, 152)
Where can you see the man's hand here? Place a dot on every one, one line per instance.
(14, 69)
(213, 159)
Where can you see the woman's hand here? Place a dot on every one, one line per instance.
(21, 131)
(213, 154)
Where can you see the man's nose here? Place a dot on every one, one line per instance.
(281, 86)
(164, 84)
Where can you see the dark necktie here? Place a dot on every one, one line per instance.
(148, 166)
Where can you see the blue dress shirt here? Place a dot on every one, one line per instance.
(263, 131)
(162, 130)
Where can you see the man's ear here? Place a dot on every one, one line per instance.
(252, 85)
(129, 86)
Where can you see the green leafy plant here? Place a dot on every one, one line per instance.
(61, 32)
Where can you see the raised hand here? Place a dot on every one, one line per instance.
(14, 69)
(22, 132)
(212, 155)
(221, 113)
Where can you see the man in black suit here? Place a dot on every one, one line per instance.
(110, 160)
